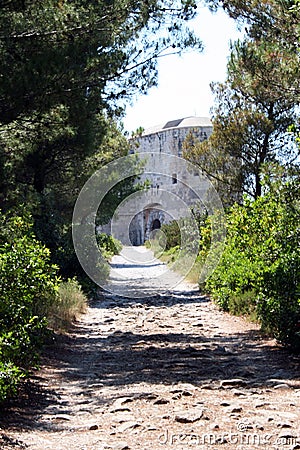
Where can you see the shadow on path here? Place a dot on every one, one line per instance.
(90, 357)
(109, 300)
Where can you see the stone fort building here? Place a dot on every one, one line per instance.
(171, 185)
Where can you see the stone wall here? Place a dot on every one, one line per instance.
(171, 184)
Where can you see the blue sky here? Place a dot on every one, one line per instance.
(183, 82)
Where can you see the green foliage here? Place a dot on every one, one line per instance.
(137, 133)
(169, 256)
(218, 164)
(258, 101)
(244, 304)
(28, 286)
(147, 244)
(10, 376)
(90, 45)
(259, 272)
(235, 275)
(250, 126)
(52, 209)
(172, 234)
(108, 245)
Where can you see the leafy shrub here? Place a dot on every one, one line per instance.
(109, 246)
(235, 275)
(10, 375)
(170, 256)
(28, 286)
(172, 234)
(279, 300)
(260, 269)
(147, 244)
(244, 304)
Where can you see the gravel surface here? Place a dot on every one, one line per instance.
(136, 273)
(163, 371)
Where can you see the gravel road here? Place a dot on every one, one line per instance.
(136, 273)
(163, 371)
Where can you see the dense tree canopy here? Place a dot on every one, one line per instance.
(257, 104)
(65, 68)
(275, 25)
(55, 52)
(63, 64)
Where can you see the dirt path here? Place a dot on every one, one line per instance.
(170, 371)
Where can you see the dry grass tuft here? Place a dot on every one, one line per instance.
(70, 303)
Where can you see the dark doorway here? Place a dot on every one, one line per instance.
(155, 224)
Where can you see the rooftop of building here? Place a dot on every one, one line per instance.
(186, 122)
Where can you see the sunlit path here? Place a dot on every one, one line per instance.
(137, 372)
(137, 273)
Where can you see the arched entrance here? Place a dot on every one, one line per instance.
(153, 218)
